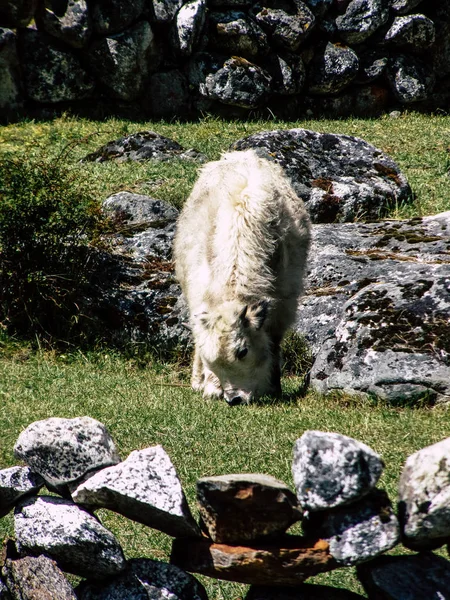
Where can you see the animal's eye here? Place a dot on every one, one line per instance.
(242, 354)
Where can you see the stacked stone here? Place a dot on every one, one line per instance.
(174, 57)
(244, 519)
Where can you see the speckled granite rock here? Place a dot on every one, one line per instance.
(424, 497)
(145, 579)
(63, 450)
(15, 483)
(187, 27)
(361, 19)
(410, 79)
(239, 508)
(69, 535)
(72, 24)
(145, 488)
(333, 67)
(331, 469)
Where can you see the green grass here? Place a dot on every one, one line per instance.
(146, 406)
(151, 405)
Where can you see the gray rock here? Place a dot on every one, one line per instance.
(410, 79)
(114, 16)
(238, 83)
(187, 27)
(4, 593)
(358, 532)
(424, 497)
(306, 591)
(168, 95)
(287, 29)
(11, 87)
(69, 535)
(361, 19)
(144, 145)
(403, 6)
(63, 450)
(17, 13)
(15, 483)
(332, 69)
(71, 24)
(122, 62)
(340, 178)
(165, 10)
(419, 577)
(146, 579)
(144, 488)
(240, 508)
(411, 31)
(331, 470)
(288, 74)
(135, 211)
(372, 65)
(51, 74)
(33, 578)
(235, 34)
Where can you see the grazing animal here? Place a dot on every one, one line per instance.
(240, 252)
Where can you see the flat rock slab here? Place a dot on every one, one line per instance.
(15, 483)
(63, 450)
(68, 534)
(144, 145)
(305, 591)
(331, 469)
(358, 532)
(144, 488)
(289, 562)
(132, 212)
(424, 497)
(33, 578)
(420, 577)
(240, 508)
(146, 579)
(339, 177)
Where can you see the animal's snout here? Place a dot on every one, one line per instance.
(234, 401)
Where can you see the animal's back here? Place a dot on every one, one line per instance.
(243, 234)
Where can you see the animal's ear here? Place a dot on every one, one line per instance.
(256, 313)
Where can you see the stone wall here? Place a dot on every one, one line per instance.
(178, 58)
(241, 534)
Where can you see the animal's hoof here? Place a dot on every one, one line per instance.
(235, 401)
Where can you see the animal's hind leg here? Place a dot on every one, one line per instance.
(198, 373)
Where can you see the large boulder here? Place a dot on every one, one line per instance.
(331, 70)
(339, 177)
(410, 79)
(114, 16)
(71, 23)
(411, 31)
(187, 27)
(235, 34)
(361, 19)
(15, 483)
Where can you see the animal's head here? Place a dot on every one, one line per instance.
(234, 345)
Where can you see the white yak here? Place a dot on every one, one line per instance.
(240, 253)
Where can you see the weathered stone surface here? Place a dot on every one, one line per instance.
(67, 534)
(234, 34)
(240, 508)
(424, 497)
(340, 178)
(358, 532)
(333, 67)
(411, 31)
(372, 65)
(146, 579)
(239, 83)
(144, 488)
(361, 19)
(420, 577)
(305, 591)
(63, 450)
(4, 593)
(331, 469)
(288, 74)
(187, 27)
(122, 62)
(168, 94)
(410, 79)
(11, 88)
(403, 6)
(113, 16)
(288, 26)
(33, 578)
(17, 13)
(144, 145)
(69, 22)
(50, 74)
(15, 483)
(292, 560)
(165, 10)
(135, 211)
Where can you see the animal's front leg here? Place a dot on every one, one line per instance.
(212, 388)
(198, 372)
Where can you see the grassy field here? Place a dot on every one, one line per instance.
(152, 404)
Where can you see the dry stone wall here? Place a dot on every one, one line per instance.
(181, 58)
(242, 534)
